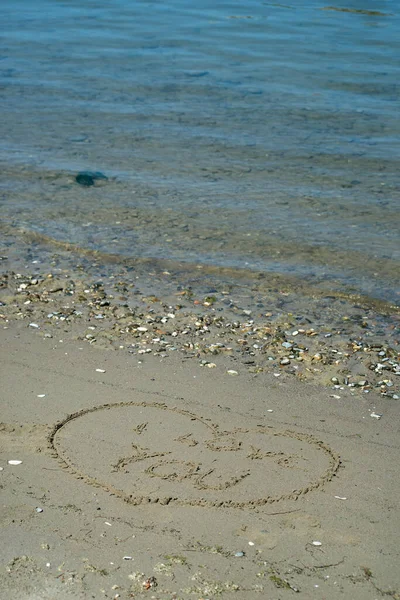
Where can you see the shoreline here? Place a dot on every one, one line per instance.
(329, 339)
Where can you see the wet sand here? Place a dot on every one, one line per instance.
(147, 475)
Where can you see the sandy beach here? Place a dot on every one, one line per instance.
(148, 476)
(199, 301)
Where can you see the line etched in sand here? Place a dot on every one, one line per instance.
(151, 453)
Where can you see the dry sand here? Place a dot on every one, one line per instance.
(158, 479)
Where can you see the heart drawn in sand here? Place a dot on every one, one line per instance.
(149, 452)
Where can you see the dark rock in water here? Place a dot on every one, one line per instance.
(84, 179)
(88, 178)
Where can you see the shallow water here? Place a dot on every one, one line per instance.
(262, 136)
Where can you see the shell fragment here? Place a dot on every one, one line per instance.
(375, 415)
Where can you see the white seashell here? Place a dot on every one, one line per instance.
(375, 415)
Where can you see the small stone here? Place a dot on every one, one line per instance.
(100, 370)
(232, 372)
(316, 543)
(239, 554)
(84, 179)
(15, 462)
(285, 361)
(88, 178)
(34, 325)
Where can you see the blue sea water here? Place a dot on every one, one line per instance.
(259, 136)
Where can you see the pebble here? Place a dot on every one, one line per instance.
(87, 178)
(316, 543)
(232, 372)
(285, 361)
(287, 345)
(100, 370)
(34, 325)
(38, 509)
(15, 462)
(239, 554)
